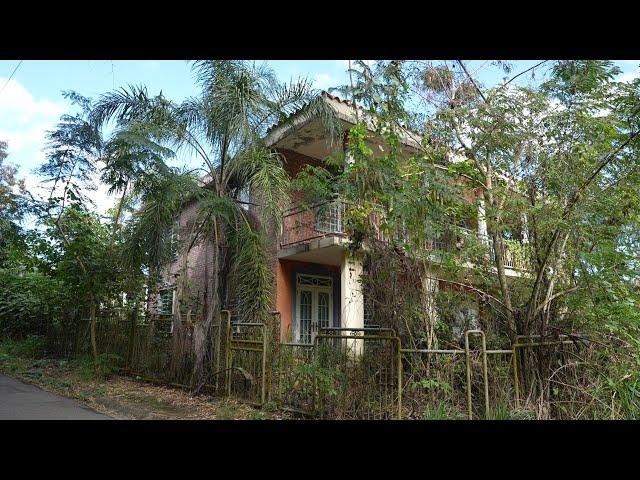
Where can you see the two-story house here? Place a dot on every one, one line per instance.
(317, 278)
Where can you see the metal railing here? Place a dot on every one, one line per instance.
(354, 373)
(367, 374)
(513, 253)
(303, 224)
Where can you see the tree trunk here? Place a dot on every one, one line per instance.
(202, 329)
(92, 319)
(132, 336)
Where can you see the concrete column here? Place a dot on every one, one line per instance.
(352, 302)
(525, 230)
(482, 219)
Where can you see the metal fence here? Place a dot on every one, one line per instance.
(366, 374)
(247, 361)
(349, 373)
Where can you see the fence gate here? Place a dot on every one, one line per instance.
(357, 374)
(246, 361)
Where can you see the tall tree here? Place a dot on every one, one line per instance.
(224, 127)
(14, 205)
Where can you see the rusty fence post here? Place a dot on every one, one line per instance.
(516, 383)
(228, 352)
(399, 368)
(217, 344)
(484, 371)
(263, 387)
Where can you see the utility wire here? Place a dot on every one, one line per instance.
(11, 76)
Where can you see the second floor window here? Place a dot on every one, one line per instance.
(165, 301)
(174, 239)
(244, 197)
(329, 217)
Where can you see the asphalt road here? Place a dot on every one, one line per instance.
(21, 401)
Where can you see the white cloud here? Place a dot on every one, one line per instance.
(100, 197)
(324, 81)
(629, 76)
(19, 105)
(24, 121)
(630, 70)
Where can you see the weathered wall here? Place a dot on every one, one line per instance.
(200, 258)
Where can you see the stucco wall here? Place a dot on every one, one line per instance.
(200, 258)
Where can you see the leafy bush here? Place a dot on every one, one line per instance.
(104, 366)
(27, 301)
(31, 347)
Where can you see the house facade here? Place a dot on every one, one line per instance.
(317, 278)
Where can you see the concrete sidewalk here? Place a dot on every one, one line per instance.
(21, 401)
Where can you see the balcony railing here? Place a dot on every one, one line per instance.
(301, 225)
(513, 253)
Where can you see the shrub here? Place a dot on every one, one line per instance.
(104, 366)
(31, 347)
(28, 300)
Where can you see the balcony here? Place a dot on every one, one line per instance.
(304, 225)
(301, 225)
(513, 254)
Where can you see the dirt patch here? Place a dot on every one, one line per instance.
(131, 399)
(125, 397)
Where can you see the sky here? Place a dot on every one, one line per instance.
(31, 102)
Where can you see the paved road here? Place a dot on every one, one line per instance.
(21, 401)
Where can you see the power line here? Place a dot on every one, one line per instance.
(11, 76)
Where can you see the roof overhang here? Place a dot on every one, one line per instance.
(304, 133)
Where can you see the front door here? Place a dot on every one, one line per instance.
(314, 306)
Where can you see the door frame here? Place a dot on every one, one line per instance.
(325, 287)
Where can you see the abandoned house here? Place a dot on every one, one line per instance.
(317, 279)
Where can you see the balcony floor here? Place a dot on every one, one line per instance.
(328, 250)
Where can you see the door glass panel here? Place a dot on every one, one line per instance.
(305, 316)
(323, 310)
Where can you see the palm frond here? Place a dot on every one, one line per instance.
(252, 277)
(261, 171)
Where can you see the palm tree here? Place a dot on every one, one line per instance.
(225, 127)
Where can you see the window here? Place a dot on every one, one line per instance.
(315, 280)
(165, 301)
(174, 239)
(244, 197)
(329, 217)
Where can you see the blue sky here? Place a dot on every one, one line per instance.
(32, 101)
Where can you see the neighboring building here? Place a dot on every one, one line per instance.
(317, 280)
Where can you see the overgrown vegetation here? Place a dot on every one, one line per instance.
(552, 169)
(511, 209)
(113, 395)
